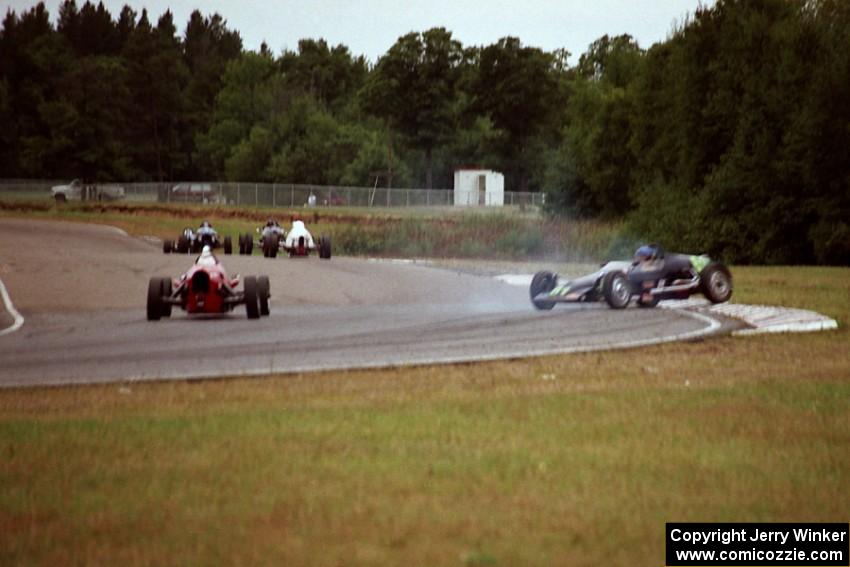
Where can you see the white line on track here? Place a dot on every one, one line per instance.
(7, 301)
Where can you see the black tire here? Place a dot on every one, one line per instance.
(252, 306)
(615, 289)
(542, 282)
(325, 247)
(249, 244)
(183, 245)
(61, 198)
(241, 244)
(167, 246)
(228, 245)
(653, 301)
(274, 245)
(263, 294)
(165, 291)
(154, 299)
(716, 282)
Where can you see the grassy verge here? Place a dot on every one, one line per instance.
(419, 233)
(574, 460)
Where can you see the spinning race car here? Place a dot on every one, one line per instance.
(651, 277)
(206, 288)
(193, 241)
(297, 242)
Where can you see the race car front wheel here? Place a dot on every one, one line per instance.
(542, 282)
(615, 289)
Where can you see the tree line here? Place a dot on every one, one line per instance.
(731, 137)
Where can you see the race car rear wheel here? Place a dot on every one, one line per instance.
(648, 303)
(263, 293)
(167, 246)
(274, 244)
(228, 245)
(154, 299)
(252, 306)
(542, 282)
(716, 282)
(249, 244)
(241, 244)
(325, 247)
(615, 289)
(165, 292)
(183, 245)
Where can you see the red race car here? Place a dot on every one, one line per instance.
(206, 288)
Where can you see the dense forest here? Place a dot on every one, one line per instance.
(731, 137)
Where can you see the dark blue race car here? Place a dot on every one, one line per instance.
(653, 275)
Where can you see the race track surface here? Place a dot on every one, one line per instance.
(82, 288)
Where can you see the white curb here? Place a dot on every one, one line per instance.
(7, 301)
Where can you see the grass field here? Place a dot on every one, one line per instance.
(562, 460)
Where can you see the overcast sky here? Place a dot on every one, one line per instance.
(370, 27)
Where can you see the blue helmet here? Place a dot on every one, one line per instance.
(647, 252)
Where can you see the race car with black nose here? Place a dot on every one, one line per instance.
(206, 288)
(296, 242)
(193, 241)
(652, 276)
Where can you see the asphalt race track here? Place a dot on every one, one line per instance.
(81, 290)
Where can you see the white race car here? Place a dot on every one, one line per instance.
(297, 242)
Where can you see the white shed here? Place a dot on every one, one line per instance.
(479, 187)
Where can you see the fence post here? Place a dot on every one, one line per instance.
(291, 195)
(274, 195)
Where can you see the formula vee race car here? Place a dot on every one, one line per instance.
(206, 288)
(297, 242)
(651, 277)
(192, 241)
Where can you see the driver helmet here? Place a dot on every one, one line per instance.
(206, 224)
(270, 223)
(646, 252)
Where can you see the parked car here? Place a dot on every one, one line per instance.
(194, 193)
(76, 190)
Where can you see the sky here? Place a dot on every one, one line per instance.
(371, 27)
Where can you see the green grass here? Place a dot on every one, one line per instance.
(571, 460)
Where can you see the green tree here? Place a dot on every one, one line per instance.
(518, 89)
(156, 78)
(331, 75)
(413, 87)
(208, 47)
(246, 99)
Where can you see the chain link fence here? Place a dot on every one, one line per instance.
(246, 194)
